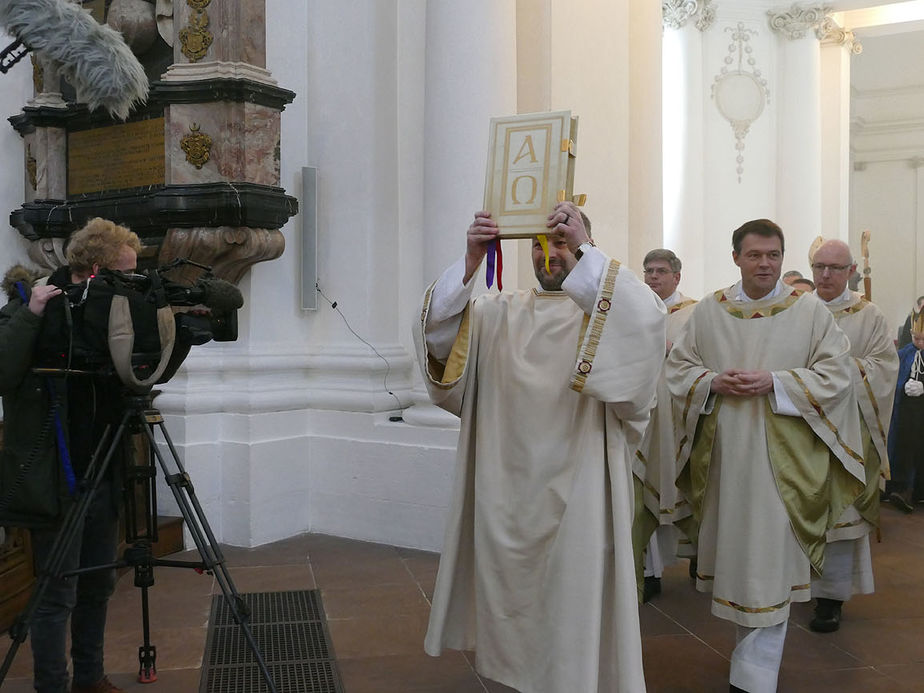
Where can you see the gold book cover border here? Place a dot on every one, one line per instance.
(519, 194)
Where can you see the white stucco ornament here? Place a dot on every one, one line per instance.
(676, 13)
(739, 90)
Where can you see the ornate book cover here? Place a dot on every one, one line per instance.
(530, 168)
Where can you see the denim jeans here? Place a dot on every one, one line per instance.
(83, 598)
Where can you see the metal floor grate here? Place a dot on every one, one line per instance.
(291, 633)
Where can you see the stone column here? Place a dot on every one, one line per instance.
(471, 77)
(45, 151)
(222, 126)
(799, 143)
(837, 47)
(645, 141)
(683, 126)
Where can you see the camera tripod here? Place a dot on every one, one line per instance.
(140, 416)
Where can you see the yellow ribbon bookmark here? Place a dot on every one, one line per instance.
(544, 242)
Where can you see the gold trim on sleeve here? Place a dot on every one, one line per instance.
(585, 361)
(872, 398)
(442, 375)
(816, 405)
(458, 357)
(686, 411)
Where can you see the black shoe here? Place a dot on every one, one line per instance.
(734, 689)
(902, 501)
(652, 588)
(827, 615)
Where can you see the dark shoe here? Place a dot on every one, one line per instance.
(104, 685)
(652, 588)
(692, 569)
(901, 500)
(734, 689)
(827, 615)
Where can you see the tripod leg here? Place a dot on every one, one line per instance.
(147, 653)
(184, 493)
(70, 528)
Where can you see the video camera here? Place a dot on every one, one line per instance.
(126, 320)
(220, 298)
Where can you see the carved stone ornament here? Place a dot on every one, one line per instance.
(795, 22)
(228, 250)
(197, 146)
(195, 38)
(48, 253)
(676, 13)
(31, 168)
(198, 4)
(830, 32)
(739, 90)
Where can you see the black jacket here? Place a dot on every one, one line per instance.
(42, 425)
(33, 489)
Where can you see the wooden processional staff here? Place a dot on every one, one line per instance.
(867, 279)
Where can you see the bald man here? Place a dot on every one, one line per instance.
(848, 569)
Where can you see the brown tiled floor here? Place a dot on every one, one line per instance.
(377, 600)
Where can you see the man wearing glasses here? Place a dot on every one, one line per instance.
(848, 568)
(655, 463)
(770, 442)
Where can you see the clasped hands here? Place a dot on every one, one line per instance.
(742, 383)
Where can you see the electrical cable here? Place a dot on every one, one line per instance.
(333, 304)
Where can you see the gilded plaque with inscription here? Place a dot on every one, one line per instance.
(530, 168)
(116, 157)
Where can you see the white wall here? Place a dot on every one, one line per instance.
(887, 181)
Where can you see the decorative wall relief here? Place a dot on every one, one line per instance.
(228, 250)
(740, 92)
(197, 146)
(676, 13)
(195, 38)
(48, 253)
(829, 31)
(795, 22)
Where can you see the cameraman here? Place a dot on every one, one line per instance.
(56, 421)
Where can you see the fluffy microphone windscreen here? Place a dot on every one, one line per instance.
(91, 56)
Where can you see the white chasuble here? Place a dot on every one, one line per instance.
(655, 462)
(536, 572)
(765, 487)
(874, 374)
